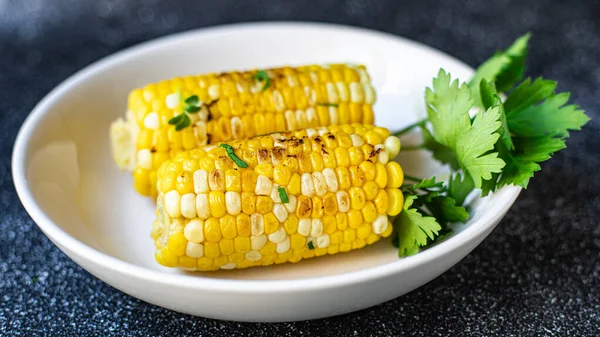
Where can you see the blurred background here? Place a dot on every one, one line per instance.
(537, 274)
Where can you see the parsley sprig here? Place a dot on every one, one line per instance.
(190, 105)
(501, 145)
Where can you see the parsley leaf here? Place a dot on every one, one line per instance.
(413, 229)
(448, 106)
(505, 68)
(440, 152)
(445, 209)
(550, 117)
(490, 98)
(460, 187)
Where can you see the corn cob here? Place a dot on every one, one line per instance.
(303, 194)
(236, 106)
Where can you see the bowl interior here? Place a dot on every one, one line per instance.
(72, 178)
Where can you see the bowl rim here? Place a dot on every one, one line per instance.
(506, 196)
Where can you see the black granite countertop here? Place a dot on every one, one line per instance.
(537, 274)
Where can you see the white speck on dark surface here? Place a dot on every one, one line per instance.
(537, 274)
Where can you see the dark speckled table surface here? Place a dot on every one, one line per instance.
(537, 274)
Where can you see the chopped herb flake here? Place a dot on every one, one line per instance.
(310, 245)
(233, 156)
(283, 195)
(262, 76)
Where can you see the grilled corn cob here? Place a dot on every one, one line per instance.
(277, 198)
(235, 105)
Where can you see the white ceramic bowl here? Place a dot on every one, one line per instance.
(68, 183)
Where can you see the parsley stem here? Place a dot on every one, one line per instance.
(410, 127)
(406, 176)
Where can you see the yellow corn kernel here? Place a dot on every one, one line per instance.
(243, 224)
(228, 226)
(142, 183)
(380, 175)
(363, 231)
(344, 113)
(185, 183)
(317, 161)
(233, 180)
(212, 230)
(177, 243)
(356, 156)
(357, 176)
(388, 231)
(294, 186)
(207, 164)
(343, 176)
(271, 223)
(265, 170)
(369, 212)
(304, 163)
(372, 238)
(236, 258)
(371, 190)
(168, 258)
(248, 181)
(369, 169)
(395, 175)
(356, 113)
(329, 224)
(396, 201)
(297, 241)
(248, 202)
(342, 221)
(205, 263)
(355, 218)
(357, 197)
(317, 212)
(358, 243)
(381, 202)
(211, 249)
(329, 160)
(268, 249)
(342, 157)
(226, 246)
(291, 224)
(220, 261)
(216, 200)
(264, 204)
(349, 235)
(281, 175)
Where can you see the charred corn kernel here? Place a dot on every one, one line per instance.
(395, 201)
(236, 218)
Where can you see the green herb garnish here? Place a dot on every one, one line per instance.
(502, 144)
(310, 245)
(328, 104)
(283, 195)
(233, 156)
(190, 105)
(262, 76)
